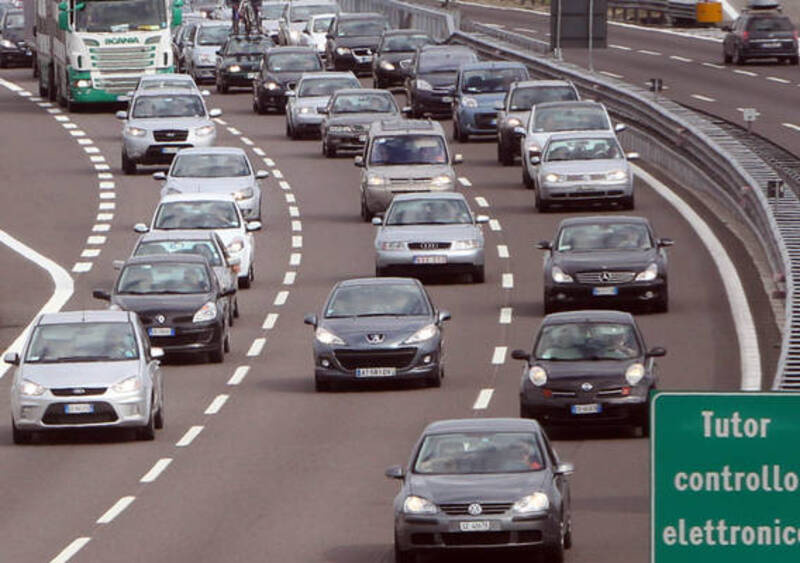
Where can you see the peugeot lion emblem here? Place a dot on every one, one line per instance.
(587, 386)
(475, 509)
(374, 338)
(160, 319)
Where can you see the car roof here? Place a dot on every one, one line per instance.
(400, 126)
(360, 16)
(603, 220)
(169, 198)
(429, 48)
(215, 23)
(541, 83)
(168, 91)
(482, 425)
(212, 150)
(483, 65)
(593, 316)
(328, 74)
(290, 48)
(591, 134)
(405, 32)
(163, 258)
(569, 104)
(429, 195)
(378, 281)
(90, 316)
(312, 3)
(177, 235)
(360, 91)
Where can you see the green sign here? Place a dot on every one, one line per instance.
(725, 478)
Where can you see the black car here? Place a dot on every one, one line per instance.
(238, 61)
(352, 41)
(588, 368)
(378, 328)
(483, 483)
(603, 260)
(761, 32)
(432, 78)
(281, 68)
(394, 55)
(179, 301)
(13, 47)
(349, 115)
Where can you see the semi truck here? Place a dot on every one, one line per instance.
(95, 51)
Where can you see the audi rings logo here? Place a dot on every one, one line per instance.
(474, 509)
(375, 338)
(587, 386)
(160, 319)
(427, 246)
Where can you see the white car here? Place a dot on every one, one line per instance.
(217, 212)
(315, 33)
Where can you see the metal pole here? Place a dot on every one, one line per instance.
(591, 36)
(558, 34)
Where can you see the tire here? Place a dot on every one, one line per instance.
(628, 202)
(258, 106)
(662, 304)
(524, 412)
(328, 151)
(320, 385)
(217, 355)
(227, 345)
(236, 308)
(51, 83)
(42, 87)
(158, 422)
(794, 61)
(128, 164)
(401, 556)
(3, 61)
(479, 274)
(366, 214)
(644, 425)
(504, 155)
(434, 380)
(245, 283)
(147, 432)
(541, 206)
(527, 181)
(20, 436)
(378, 271)
(554, 553)
(738, 59)
(726, 58)
(549, 306)
(568, 536)
(222, 88)
(459, 135)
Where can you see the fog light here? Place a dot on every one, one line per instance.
(83, 83)
(325, 363)
(27, 412)
(649, 295)
(561, 296)
(427, 359)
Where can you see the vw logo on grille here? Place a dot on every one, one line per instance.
(475, 509)
(605, 276)
(160, 319)
(375, 338)
(587, 386)
(79, 391)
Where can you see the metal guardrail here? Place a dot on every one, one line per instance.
(437, 23)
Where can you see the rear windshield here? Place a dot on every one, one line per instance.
(524, 98)
(487, 81)
(770, 24)
(296, 62)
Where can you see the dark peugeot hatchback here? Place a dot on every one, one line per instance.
(761, 32)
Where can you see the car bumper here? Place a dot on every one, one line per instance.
(272, 98)
(146, 150)
(410, 363)
(379, 199)
(354, 141)
(48, 412)
(585, 193)
(759, 52)
(353, 62)
(241, 79)
(250, 208)
(201, 73)
(194, 338)
(464, 260)
(477, 121)
(433, 103)
(22, 56)
(612, 411)
(307, 122)
(389, 77)
(632, 293)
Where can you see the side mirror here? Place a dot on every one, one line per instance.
(117, 264)
(219, 51)
(358, 161)
(205, 92)
(665, 242)
(234, 261)
(565, 468)
(520, 131)
(458, 159)
(216, 112)
(395, 472)
(499, 106)
(101, 294)
(160, 176)
(322, 110)
(121, 114)
(290, 93)
(657, 352)
(620, 127)
(404, 64)
(11, 358)
(377, 221)
(632, 156)
(156, 352)
(520, 355)
(261, 174)
(227, 292)
(253, 226)
(535, 159)
(141, 228)
(544, 245)
(444, 316)
(406, 110)
(481, 219)
(310, 320)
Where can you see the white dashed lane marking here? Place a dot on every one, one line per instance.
(651, 53)
(269, 322)
(712, 65)
(259, 151)
(116, 510)
(108, 195)
(277, 173)
(295, 258)
(269, 162)
(105, 217)
(90, 253)
(88, 149)
(297, 241)
(745, 72)
(107, 185)
(284, 185)
(791, 126)
(189, 437)
(621, 47)
(106, 205)
(234, 131)
(85, 141)
(484, 397)
(96, 239)
(502, 251)
(505, 316)
(499, 355)
(70, 550)
(239, 375)
(481, 201)
(294, 211)
(82, 267)
(465, 182)
(101, 227)
(290, 198)
(779, 80)
(289, 277)
(247, 141)
(257, 347)
(297, 226)
(217, 404)
(680, 59)
(281, 298)
(494, 224)
(61, 118)
(156, 470)
(508, 281)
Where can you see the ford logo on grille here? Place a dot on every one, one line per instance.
(475, 509)
(587, 386)
(375, 338)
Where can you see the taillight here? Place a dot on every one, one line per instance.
(745, 35)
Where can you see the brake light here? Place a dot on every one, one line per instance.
(745, 35)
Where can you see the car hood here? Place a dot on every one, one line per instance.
(370, 41)
(286, 76)
(152, 123)
(395, 330)
(583, 166)
(440, 79)
(486, 100)
(311, 102)
(208, 185)
(633, 260)
(573, 372)
(428, 233)
(414, 171)
(360, 118)
(496, 487)
(149, 305)
(249, 60)
(206, 50)
(80, 374)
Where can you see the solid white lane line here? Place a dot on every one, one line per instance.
(295, 258)
(651, 53)
(90, 253)
(81, 267)
(745, 72)
(297, 241)
(277, 173)
(791, 126)
(779, 80)
(611, 74)
(238, 375)
(234, 131)
(69, 551)
(284, 185)
(281, 298)
(505, 315)
(712, 65)
(156, 470)
(216, 404)
(297, 226)
(508, 281)
(289, 277)
(259, 151)
(621, 47)
(465, 182)
(680, 59)
(269, 322)
(247, 141)
(499, 355)
(502, 251)
(115, 510)
(703, 98)
(290, 198)
(189, 437)
(96, 239)
(481, 201)
(256, 347)
(494, 224)
(294, 211)
(482, 402)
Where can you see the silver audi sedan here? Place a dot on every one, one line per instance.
(430, 233)
(84, 369)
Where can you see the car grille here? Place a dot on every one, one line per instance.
(77, 391)
(363, 52)
(409, 181)
(116, 84)
(103, 412)
(203, 336)
(123, 58)
(585, 177)
(170, 135)
(612, 392)
(462, 509)
(586, 194)
(429, 245)
(599, 278)
(485, 120)
(392, 358)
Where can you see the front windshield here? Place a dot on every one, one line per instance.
(524, 98)
(488, 81)
(248, 47)
(163, 277)
(294, 62)
(364, 103)
(479, 453)
(210, 166)
(271, 11)
(197, 215)
(587, 341)
(603, 236)
(212, 34)
(408, 149)
(377, 300)
(324, 86)
(168, 106)
(204, 248)
(361, 28)
(583, 149)
(322, 24)
(304, 13)
(168, 82)
(428, 212)
(561, 118)
(404, 43)
(82, 342)
(121, 15)
(447, 61)
(15, 21)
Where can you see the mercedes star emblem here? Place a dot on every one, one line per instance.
(605, 276)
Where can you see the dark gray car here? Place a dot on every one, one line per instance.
(378, 328)
(348, 117)
(483, 484)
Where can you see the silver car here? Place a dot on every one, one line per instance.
(313, 91)
(295, 16)
(159, 123)
(223, 170)
(315, 32)
(270, 18)
(431, 232)
(200, 53)
(84, 369)
(583, 167)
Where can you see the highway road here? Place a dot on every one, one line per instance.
(253, 465)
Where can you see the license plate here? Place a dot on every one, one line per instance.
(771, 45)
(169, 150)
(161, 331)
(604, 291)
(366, 59)
(376, 372)
(475, 526)
(447, 99)
(430, 259)
(362, 138)
(251, 75)
(79, 408)
(593, 408)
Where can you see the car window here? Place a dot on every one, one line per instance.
(479, 452)
(361, 28)
(161, 83)
(428, 212)
(447, 61)
(377, 300)
(487, 81)
(303, 13)
(364, 103)
(582, 149)
(197, 215)
(404, 43)
(408, 149)
(210, 166)
(121, 15)
(168, 106)
(271, 11)
(163, 278)
(322, 24)
(770, 24)
(587, 341)
(560, 118)
(14, 21)
(603, 236)
(325, 86)
(247, 47)
(204, 248)
(82, 342)
(212, 34)
(522, 99)
(296, 62)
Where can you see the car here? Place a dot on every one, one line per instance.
(493, 484)
(221, 170)
(179, 301)
(13, 47)
(238, 61)
(86, 369)
(352, 40)
(394, 55)
(167, 82)
(431, 81)
(210, 212)
(349, 115)
(205, 7)
(479, 88)
(295, 16)
(181, 37)
(158, 123)
(515, 110)
(579, 168)
(432, 232)
(200, 52)
(598, 260)
(315, 32)
(313, 91)
(271, 13)
(204, 243)
(281, 68)
(588, 368)
(759, 33)
(377, 328)
(402, 156)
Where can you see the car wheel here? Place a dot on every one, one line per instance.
(159, 419)
(366, 215)
(148, 431)
(662, 303)
(794, 60)
(568, 535)
(504, 154)
(378, 271)
(3, 61)
(401, 556)
(726, 58)
(542, 206)
(258, 107)
(628, 202)
(644, 424)
(20, 436)
(549, 306)
(236, 308)
(328, 150)
(217, 355)
(245, 283)
(527, 181)
(434, 380)
(479, 274)
(458, 135)
(227, 347)
(128, 164)
(554, 553)
(738, 59)
(321, 385)
(524, 412)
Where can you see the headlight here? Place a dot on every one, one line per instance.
(468, 244)
(7, 44)
(28, 387)
(553, 178)
(306, 109)
(373, 180)
(534, 150)
(425, 333)
(537, 502)
(649, 274)
(272, 86)
(386, 65)
(513, 122)
(537, 375)
(616, 175)
(135, 131)
(443, 181)
(634, 373)
(234, 68)
(245, 193)
(423, 85)
(294, 34)
(418, 505)
(559, 276)
(327, 337)
(128, 385)
(469, 102)
(207, 312)
(339, 129)
(342, 50)
(236, 246)
(82, 83)
(204, 131)
(393, 245)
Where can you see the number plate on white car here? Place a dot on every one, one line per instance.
(604, 291)
(430, 259)
(593, 408)
(161, 331)
(771, 45)
(376, 372)
(79, 408)
(475, 526)
(169, 150)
